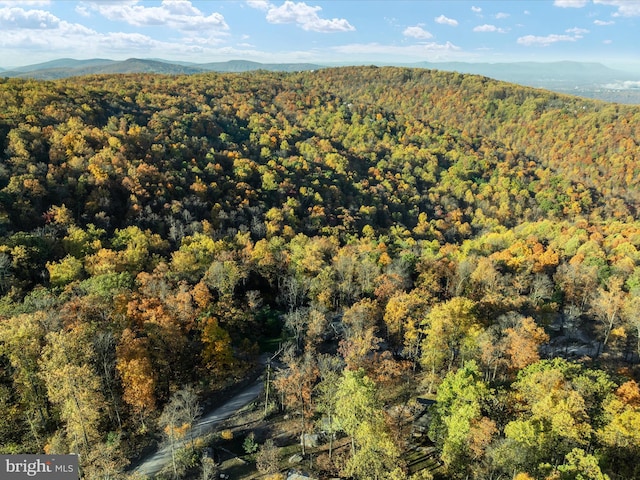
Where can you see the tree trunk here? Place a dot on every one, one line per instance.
(266, 390)
(330, 435)
(303, 425)
(173, 456)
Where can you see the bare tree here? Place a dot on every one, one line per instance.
(607, 306)
(178, 418)
(268, 458)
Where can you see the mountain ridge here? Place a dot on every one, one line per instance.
(67, 67)
(586, 79)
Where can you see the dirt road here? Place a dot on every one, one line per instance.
(208, 423)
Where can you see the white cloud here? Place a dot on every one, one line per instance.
(488, 28)
(26, 21)
(533, 40)
(577, 32)
(80, 42)
(603, 23)
(446, 21)
(259, 4)
(26, 3)
(476, 9)
(29, 36)
(417, 32)
(74, 40)
(501, 15)
(176, 14)
(626, 8)
(127, 42)
(607, 42)
(83, 10)
(570, 3)
(18, 18)
(306, 16)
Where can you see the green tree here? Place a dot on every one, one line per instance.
(459, 419)
(65, 271)
(553, 417)
(619, 434)
(73, 385)
(22, 339)
(359, 414)
(450, 333)
(403, 316)
(579, 465)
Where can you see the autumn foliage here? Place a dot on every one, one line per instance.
(432, 233)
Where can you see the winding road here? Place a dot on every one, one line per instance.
(157, 461)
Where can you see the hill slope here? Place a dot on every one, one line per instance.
(403, 231)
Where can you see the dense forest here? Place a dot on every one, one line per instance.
(407, 233)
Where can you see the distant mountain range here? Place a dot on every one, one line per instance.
(68, 67)
(578, 78)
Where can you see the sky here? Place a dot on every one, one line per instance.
(322, 32)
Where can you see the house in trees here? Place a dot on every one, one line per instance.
(422, 417)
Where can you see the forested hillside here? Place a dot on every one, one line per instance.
(411, 233)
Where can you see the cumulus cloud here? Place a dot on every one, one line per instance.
(488, 28)
(501, 15)
(603, 23)
(446, 21)
(64, 38)
(16, 18)
(306, 17)
(570, 3)
(176, 14)
(417, 32)
(533, 40)
(43, 35)
(626, 8)
(476, 9)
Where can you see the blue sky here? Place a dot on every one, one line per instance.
(325, 32)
